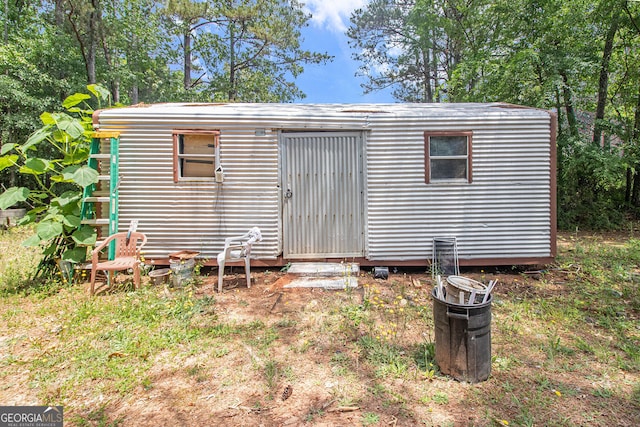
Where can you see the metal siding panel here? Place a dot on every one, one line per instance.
(198, 215)
(503, 213)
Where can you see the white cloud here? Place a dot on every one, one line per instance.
(333, 14)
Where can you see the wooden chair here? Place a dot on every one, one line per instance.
(238, 250)
(127, 256)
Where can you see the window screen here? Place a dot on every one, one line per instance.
(447, 156)
(196, 154)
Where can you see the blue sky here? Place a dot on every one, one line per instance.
(335, 81)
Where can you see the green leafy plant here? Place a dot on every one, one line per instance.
(271, 374)
(55, 157)
(425, 359)
(441, 398)
(369, 418)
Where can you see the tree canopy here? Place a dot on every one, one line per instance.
(148, 51)
(578, 58)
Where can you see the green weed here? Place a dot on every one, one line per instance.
(635, 395)
(584, 345)
(424, 357)
(385, 357)
(441, 398)
(370, 418)
(271, 374)
(554, 347)
(602, 392)
(97, 418)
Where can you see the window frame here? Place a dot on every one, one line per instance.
(428, 157)
(178, 156)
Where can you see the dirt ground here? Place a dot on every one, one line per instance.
(323, 381)
(317, 395)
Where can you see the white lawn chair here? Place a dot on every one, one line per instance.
(238, 250)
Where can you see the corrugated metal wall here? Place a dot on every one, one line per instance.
(196, 215)
(504, 213)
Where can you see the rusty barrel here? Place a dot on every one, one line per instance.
(463, 339)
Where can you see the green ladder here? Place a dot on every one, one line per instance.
(100, 200)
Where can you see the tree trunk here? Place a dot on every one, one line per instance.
(135, 94)
(5, 36)
(559, 110)
(628, 184)
(568, 105)
(635, 194)
(187, 57)
(434, 66)
(115, 90)
(5, 39)
(94, 17)
(603, 83)
(426, 61)
(635, 136)
(232, 62)
(112, 66)
(58, 13)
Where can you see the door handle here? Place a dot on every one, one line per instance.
(288, 194)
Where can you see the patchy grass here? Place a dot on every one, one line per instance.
(565, 348)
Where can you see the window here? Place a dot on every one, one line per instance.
(447, 156)
(196, 155)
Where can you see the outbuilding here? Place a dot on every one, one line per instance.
(370, 183)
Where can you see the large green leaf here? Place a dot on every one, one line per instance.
(47, 118)
(58, 178)
(74, 100)
(79, 156)
(85, 235)
(49, 229)
(39, 195)
(6, 148)
(36, 137)
(34, 240)
(70, 125)
(35, 166)
(84, 176)
(32, 215)
(27, 219)
(61, 136)
(98, 91)
(75, 255)
(71, 221)
(12, 196)
(54, 213)
(37, 211)
(8, 161)
(67, 173)
(66, 198)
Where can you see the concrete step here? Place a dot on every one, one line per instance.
(324, 275)
(323, 282)
(324, 269)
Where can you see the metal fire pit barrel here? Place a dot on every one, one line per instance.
(463, 339)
